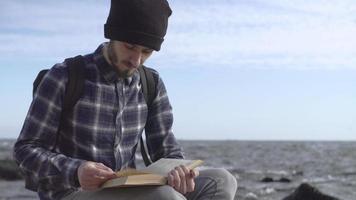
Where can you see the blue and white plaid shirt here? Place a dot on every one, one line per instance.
(105, 126)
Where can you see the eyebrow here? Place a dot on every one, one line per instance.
(137, 45)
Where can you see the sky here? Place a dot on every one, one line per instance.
(234, 69)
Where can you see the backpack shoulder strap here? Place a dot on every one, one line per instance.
(148, 84)
(38, 80)
(73, 91)
(75, 84)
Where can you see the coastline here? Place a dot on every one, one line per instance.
(268, 170)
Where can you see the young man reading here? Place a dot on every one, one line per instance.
(71, 157)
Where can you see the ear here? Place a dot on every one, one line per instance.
(111, 42)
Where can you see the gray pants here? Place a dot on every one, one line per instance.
(212, 184)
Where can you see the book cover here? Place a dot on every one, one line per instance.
(154, 174)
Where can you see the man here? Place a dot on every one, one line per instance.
(71, 159)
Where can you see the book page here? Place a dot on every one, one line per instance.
(129, 172)
(164, 165)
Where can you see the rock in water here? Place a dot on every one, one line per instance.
(284, 180)
(251, 196)
(308, 192)
(267, 180)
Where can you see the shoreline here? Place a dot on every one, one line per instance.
(268, 170)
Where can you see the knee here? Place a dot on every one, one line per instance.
(227, 179)
(226, 182)
(167, 192)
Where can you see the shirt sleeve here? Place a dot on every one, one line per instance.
(34, 148)
(161, 142)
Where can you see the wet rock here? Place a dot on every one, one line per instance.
(308, 192)
(251, 196)
(267, 180)
(284, 180)
(270, 180)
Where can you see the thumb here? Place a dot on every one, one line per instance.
(104, 167)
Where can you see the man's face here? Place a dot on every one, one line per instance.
(126, 58)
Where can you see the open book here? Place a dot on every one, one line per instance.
(155, 174)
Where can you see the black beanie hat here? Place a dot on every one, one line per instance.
(142, 22)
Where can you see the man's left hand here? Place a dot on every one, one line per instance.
(182, 179)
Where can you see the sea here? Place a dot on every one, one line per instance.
(329, 166)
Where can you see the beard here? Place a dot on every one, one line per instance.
(125, 73)
(123, 68)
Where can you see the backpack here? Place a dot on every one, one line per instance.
(75, 84)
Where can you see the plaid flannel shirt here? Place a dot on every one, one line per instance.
(104, 126)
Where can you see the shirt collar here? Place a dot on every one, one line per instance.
(108, 72)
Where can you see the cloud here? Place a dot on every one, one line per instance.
(260, 35)
(42, 29)
(224, 33)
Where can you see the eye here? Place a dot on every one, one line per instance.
(129, 46)
(147, 51)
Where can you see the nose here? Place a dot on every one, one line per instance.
(135, 59)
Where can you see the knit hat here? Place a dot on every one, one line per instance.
(142, 22)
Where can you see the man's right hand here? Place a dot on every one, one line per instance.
(92, 175)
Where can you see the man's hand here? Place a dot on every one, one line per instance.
(92, 175)
(182, 179)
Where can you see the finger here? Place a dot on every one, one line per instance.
(170, 180)
(188, 179)
(90, 176)
(104, 167)
(176, 180)
(103, 174)
(96, 183)
(106, 172)
(183, 183)
(185, 171)
(194, 173)
(190, 185)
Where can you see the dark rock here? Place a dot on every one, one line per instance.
(267, 180)
(308, 192)
(270, 180)
(9, 170)
(284, 180)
